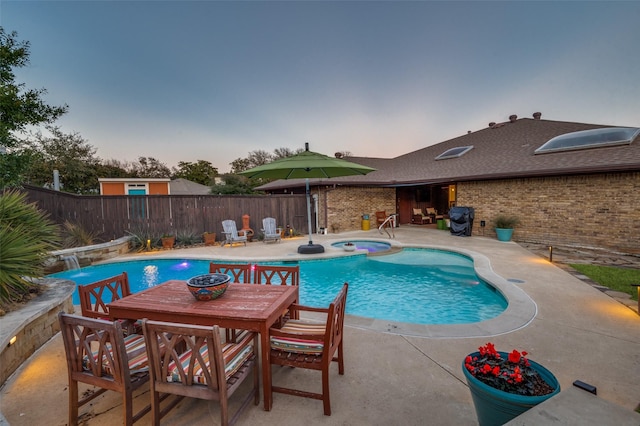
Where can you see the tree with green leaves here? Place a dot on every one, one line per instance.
(19, 108)
(279, 153)
(71, 155)
(240, 165)
(255, 158)
(113, 168)
(201, 172)
(149, 167)
(233, 184)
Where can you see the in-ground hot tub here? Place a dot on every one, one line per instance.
(370, 246)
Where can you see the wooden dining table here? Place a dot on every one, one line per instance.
(252, 307)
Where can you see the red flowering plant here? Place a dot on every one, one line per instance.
(513, 374)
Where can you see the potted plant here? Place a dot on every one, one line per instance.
(209, 238)
(504, 225)
(349, 246)
(168, 241)
(504, 385)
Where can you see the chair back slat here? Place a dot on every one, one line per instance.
(335, 318)
(95, 350)
(167, 345)
(94, 297)
(229, 227)
(283, 275)
(240, 273)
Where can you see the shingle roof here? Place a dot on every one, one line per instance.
(505, 150)
(186, 187)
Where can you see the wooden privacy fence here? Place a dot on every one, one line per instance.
(113, 216)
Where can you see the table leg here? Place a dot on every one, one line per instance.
(266, 368)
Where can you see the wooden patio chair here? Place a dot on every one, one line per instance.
(239, 272)
(419, 217)
(94, 298)
(381, 216)
(98, 354)
(305, 344)
(282, 275)
(433, 213)
(270, 231)
(231, 233)
(189, 360)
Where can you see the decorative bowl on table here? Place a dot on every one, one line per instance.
(208, 286)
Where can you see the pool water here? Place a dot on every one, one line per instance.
(370, 246)
(420, 286)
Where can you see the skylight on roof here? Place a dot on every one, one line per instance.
(454, 152)
(595, 138)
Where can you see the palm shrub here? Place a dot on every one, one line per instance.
(26, 236)
(505, 221)
(187, 238)
(74, 235)
(140, 237)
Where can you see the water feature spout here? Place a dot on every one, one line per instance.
(70, 262)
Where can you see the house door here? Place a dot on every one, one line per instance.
(404, 197)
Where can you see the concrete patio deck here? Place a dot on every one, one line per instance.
(401, 374)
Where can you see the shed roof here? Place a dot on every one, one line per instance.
(182, 186)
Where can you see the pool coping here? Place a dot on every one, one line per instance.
(520, 311)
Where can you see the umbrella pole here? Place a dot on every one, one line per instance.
(310, 248)
(308, 209)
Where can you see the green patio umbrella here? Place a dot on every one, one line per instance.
(307, 165)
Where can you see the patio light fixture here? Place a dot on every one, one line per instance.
(12, 340)
(637, 286)
(551, 254)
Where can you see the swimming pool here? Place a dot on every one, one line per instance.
(420, 286)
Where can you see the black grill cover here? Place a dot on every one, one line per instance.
(461, 221)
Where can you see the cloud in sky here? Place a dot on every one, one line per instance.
(184, 81)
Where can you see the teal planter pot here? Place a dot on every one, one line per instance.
(504, 234)
(495, 407)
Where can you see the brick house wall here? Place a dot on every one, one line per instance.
(341, 208)
(598, 210)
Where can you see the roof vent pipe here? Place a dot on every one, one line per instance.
(513, 118)
(537, 115)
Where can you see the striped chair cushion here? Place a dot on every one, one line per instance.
(136, 354)
(299, 345)
(231, 365)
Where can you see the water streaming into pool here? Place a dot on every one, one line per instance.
(420, 286)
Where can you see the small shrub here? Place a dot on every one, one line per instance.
(74, 235)
(26, 236)
(140, 238)
(505, 222)
(187, 238)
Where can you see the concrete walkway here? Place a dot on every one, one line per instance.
(412, 377)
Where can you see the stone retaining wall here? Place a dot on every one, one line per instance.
(33, 324)
(87, 255)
